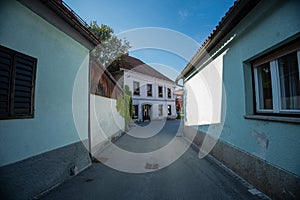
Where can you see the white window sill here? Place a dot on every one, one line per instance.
(273, 118)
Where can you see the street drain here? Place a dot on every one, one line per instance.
(151, 166)
(155, 166)
(254, 191)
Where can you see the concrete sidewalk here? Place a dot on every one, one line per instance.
(187, 178)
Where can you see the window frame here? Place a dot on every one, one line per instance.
(15, 58)
(138, 88)
(272, 59)
(149, 94)
(169, 110)
(135, 108)
(169, 96)
(162, 92)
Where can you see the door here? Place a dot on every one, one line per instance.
(146, 112)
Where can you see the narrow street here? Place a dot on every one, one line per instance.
(187, 178)
(90, 93)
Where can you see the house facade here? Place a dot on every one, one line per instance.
(242, 95)
(47, 121)
(152, 98)
(152, 92)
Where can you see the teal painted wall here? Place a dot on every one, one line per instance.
(270, 23)
(59, 59)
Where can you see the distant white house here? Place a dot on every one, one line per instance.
(152, 92)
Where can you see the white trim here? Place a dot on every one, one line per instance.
(256, 89)
(289, 111)
(279, 88)
(258, 93)
(275, 86)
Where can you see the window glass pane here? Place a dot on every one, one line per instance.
(160, 91)
(149, 90)
(289, 82)
(136, 88)
(264, 86)
(135, 111)
(169, 93)
(169, 110)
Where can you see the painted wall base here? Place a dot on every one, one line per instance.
(30, 177)
(97, 149)
(273, 181)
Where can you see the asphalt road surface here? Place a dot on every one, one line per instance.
(186, 177)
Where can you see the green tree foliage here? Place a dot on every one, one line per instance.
(102, 32)
(124, 106)
(110, 53)
(117, 63)
(111, 47)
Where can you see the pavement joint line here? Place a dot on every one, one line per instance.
(46, 191)
(245, 183)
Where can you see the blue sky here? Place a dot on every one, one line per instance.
(193, 18)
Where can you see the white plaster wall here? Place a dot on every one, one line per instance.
(204, 94)
(105, 121)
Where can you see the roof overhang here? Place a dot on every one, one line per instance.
(233, 16)
(64, 18)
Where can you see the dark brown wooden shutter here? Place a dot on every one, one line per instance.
(17, 78)
(23, 85)
(6, 61)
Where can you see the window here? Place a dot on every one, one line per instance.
(160, 110)
(277, 83)
(289, 72)
(135, 111)
(160, 91)
(169, 110)
(17, 81)
(263, 76)
(149, 90)
(136, 88)
(169, 93)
